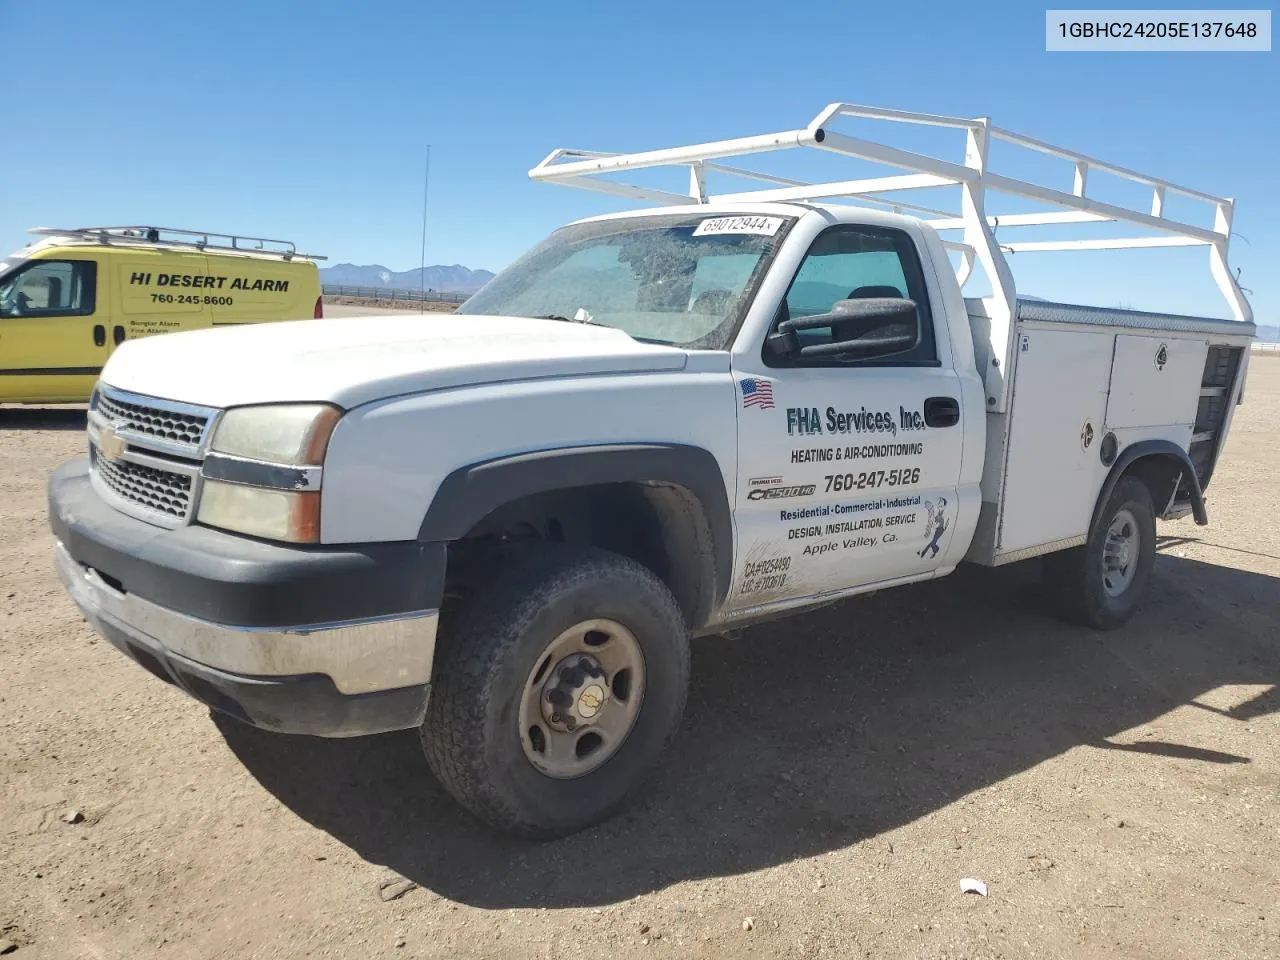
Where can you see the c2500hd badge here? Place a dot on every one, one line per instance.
(782, 493)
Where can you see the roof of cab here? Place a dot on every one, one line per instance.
(843, 212)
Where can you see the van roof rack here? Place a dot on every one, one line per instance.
(173, 237)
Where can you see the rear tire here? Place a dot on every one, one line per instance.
(1101, 584)
(552, 612)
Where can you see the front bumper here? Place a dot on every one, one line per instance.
(329, 641)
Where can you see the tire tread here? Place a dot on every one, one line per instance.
(472, 649)
(1073, 577)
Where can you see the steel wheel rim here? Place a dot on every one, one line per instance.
(581, 699)
(1120, 553)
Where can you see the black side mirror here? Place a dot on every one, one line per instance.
(862, 329)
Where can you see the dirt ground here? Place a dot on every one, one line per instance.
(836, 777)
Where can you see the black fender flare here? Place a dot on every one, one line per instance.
(470, 493)
(1153, 448)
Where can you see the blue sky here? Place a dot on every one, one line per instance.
(309, 120)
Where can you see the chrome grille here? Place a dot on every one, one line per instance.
(163, 491)
(149, 421)
(145, 454)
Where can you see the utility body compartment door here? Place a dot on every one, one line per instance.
(1058, 407)
(1154, 381)
(847, 469)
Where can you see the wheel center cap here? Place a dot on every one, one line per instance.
(575, 692)
(1118, 553)
(590, 700)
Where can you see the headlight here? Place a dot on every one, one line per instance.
(263, 473)
(289, 434)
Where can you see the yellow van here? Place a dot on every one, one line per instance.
(69, 299)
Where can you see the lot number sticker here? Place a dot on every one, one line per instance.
(761, 226)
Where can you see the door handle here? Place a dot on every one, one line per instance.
(99, 335)
(941, 412)
(117, 334)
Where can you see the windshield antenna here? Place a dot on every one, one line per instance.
(422, 261)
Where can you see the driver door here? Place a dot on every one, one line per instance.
(53, 344)
(848, 467)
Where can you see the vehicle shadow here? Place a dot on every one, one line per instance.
(42, 418)
(817, 732)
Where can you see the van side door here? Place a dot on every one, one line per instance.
(848, 467)
(53, 338)
(161, 291)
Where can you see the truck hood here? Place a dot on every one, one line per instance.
(355, 360)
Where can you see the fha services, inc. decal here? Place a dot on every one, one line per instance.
(809, 421)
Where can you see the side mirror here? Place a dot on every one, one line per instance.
(860, 329)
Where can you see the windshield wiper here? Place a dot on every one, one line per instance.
(581, 316)
(596, 323)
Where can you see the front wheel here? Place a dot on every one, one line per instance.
(1100, 584)
(559, 683)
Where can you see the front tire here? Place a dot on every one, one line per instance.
(560, 681)
(1101, 584)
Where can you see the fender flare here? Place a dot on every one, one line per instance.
(470, 493)
(1153, 448)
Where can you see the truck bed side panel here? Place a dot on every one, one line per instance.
(1079, 373)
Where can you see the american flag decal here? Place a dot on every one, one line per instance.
(757, 393)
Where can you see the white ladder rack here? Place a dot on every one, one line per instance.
(172, 237)
(585, 169)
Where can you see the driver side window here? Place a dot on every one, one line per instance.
(858, 262)
(50, 288)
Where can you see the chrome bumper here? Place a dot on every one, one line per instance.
(358, 656)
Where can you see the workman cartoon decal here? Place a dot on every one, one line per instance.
(937, 525)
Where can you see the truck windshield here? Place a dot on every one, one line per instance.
(680, 279)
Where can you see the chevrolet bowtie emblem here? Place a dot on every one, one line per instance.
(110, 445)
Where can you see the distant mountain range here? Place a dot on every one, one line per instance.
(454, 279)
(1270, 334)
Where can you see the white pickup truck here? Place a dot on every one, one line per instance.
(502, 527)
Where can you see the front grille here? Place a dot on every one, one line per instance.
(154, 422)
(163, 491)
(154, 446)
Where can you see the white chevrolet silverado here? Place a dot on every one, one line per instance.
(502, 527)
